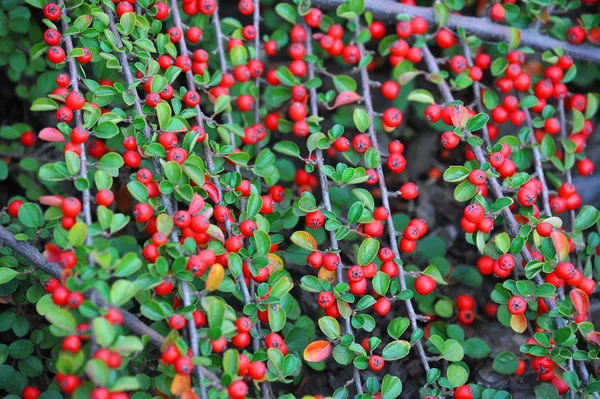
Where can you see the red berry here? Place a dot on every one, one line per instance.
(424, 284)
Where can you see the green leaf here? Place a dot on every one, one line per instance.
(421, 96)
(330, 327)
(587, 217)
(287, 148)
(396, 350)
(502, 241)
(344, 83)
(441, 13)
(367, 251)
(128, 265)
(501, 203)
(457, 375)
(77, 234)
(7, 274)
(62, 319)
(505, 363)
(453, 351)
(455, 174)
(361, 119)
(464, 191)
(30, 215)
(391, 387)
(490, 99)
(477, 122)
(163, 113)
(122, 291)
(105, 332)
(287, 12)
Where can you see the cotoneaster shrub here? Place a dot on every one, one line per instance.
(218, 207)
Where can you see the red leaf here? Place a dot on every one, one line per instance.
(594, 338)
(213, 194)
(346, 97)
(52, 252)
(51, 134)
(317, 351)
(580, 300)
(51, 200)
(317, 36)
(197, 204)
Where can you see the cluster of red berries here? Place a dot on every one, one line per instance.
(567, 199)
(466, 308)
(474, 219)
(415, 229)
(501, 267)
(544, 368)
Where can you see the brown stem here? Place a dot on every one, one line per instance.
(481, 27)
(385, 198)
(314, 109)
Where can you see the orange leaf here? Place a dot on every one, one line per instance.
(459, 115)
(561, 245)
(215, 276)
(346, 97)
(51, 200)
(326, 275)
(593, 338)
(181, 384)
(580, 300)
(518, 323)
(189, 395)
(317, 351)
(51, 134)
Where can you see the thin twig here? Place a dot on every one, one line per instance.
(477, 93)
(314, 109)
(537, 161)
(483, 28)
(87, 211)
(563, 136)
(364, 74)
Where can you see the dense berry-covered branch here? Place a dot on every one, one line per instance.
(512, 224)
(132, 322)
(385, 198)
(324, 183)
(483, 28)
(166, 201)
